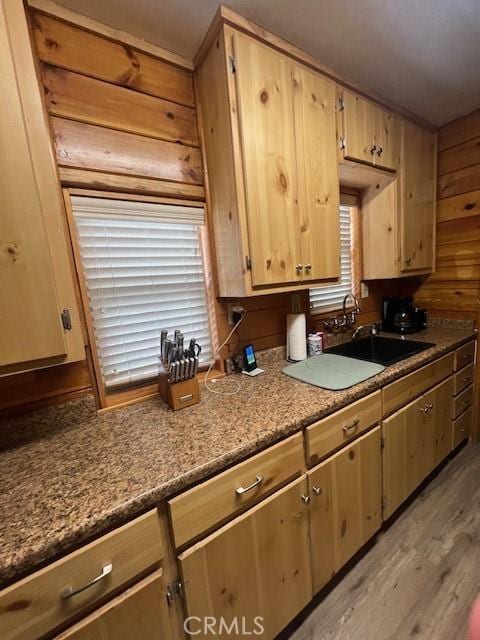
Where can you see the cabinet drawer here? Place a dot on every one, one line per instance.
(202, 507)
(462, 427)
(462, 401)
(341, 427)
(140, 613)
(463, 378)
(409, 387)
(39, 603)
(464, 355)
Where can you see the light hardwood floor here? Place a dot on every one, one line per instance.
(422, 574)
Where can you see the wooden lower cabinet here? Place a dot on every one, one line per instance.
(440, 422)
(256, 567)
(416, 440)
(346, 509)
(140, 613)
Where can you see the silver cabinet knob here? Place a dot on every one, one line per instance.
(299, 267)
(379, 151)
(317, 491)
(373, 149)
(308, 267)
(408, 261)
(305, 499)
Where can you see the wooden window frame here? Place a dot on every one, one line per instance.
(107, 400)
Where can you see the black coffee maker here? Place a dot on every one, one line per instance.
(401, 316)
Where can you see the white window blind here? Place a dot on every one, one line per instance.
(330, 297)
(144, 272)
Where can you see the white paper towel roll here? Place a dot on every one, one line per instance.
(296, 336)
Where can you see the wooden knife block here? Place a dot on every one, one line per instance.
(179, 395)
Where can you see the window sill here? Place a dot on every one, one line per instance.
(118, 399)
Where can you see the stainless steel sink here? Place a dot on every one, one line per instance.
(379, 349)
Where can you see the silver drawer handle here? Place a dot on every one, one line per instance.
(68, 592)
(351, 427)
(241, 490)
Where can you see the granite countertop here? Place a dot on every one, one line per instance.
(69, 474)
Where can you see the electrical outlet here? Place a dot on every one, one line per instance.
(230, 307)
(233, 308)
(363, 290)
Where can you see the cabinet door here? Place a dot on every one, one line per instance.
(358, 117)
(418, 149)
(30, 323)
(256, 566)
(387, 139)
(317, 171)
(265, 103)
(346, 492)
(440, 399)
(403, 462)
(140, 613)
(36, 270)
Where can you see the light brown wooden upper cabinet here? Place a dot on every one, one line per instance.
(398, 211)
(317, 174)
(367, 133)
(268, 128)
(417, 205)
(36, 277)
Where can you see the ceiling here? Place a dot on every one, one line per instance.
(423, 55)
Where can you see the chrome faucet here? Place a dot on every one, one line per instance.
(350, 317)
(373, 330)
(346, 319)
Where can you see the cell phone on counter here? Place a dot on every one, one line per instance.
(249, 359)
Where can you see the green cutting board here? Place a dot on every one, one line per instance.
(333, 372)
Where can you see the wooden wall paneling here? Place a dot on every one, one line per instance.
(459, 130)
(55, 10)
(78, 97)
(454, 289)
(264, 325)
(464, 205)
(44, 386)
(457, 182)
(460, 156)
(90, 147)
(85, 178)
(65, 45)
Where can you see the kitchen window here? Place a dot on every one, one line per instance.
(143, 271)
(330, 297)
